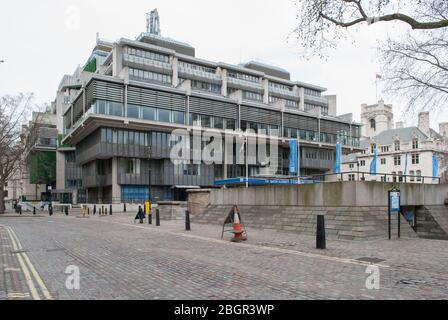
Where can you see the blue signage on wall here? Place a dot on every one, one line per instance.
(293, 157)
(395, 201)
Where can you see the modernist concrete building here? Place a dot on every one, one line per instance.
(120, 109)
(38, 172)
(404, 153)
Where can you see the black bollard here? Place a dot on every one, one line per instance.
(94, 209)
(321, 241)
(50, 210)
(110, 211)
(149, 217)
(102, 210)
(157, 218)
(20, 210)
(34, 210)
(187, 221)
(66, 210)
(124, 207)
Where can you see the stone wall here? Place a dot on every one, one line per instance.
(353, 210)
(344, 223)
(198, 200)
(172, 210)
(343, 194)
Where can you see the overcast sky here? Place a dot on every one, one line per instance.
(41, 41)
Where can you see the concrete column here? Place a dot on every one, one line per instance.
(116, 188)
(71, 112)
(224, 82)
(117, 53)
(60, 170)
(75, 197)
(225, 160)
(84, 100)
(175, 80)
(187, 118)
(265, 84)
(125, 100)
(302, 98)
(100, 194)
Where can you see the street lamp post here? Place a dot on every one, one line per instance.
(247, 161)
(357, 168)
(149, 175)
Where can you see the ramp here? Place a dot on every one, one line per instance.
(432, 222)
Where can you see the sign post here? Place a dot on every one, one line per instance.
(394, 206)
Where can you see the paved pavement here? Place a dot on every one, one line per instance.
(118, 259)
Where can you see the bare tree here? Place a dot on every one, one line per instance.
(417, 67)
(14, 112)
(414, 65)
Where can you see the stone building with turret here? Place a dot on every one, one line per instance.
(404, 154)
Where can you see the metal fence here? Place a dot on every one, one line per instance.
(367, 176)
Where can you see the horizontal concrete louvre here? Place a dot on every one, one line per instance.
(90, 95)
(261, 115)
(333, 127)
(108, 91)
(299, 122)
(78, 108)
(156, 99)
(213, 108)
(48, 132)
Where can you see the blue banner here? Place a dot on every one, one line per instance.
(406, 164)
(293, 157)
(373, 164)
(435, 167)
(337, 165)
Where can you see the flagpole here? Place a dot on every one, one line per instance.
(376, 88)
(298, 159)
(247, 161)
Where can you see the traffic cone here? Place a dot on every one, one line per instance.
(237, 230)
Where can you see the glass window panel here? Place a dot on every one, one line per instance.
(206, 121)
(148, 113)
(230, 124)
(133, 111)
(101, 109)
(164, 115)
(178, 117)
(115, 109)
(131, 137)
(196, 120)
(218, 123)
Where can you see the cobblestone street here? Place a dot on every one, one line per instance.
(118, 259)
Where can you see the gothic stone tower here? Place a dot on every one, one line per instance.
(376, 119)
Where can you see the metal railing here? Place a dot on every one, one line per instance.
(367, 176)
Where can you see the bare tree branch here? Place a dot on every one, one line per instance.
(14, 112)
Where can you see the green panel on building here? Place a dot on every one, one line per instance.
(43, 167)
(60, 144)
(91, 66)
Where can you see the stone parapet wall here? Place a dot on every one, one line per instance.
(341, 194)
(344, 223)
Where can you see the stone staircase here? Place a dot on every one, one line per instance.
(345, 223)
(432, 222)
